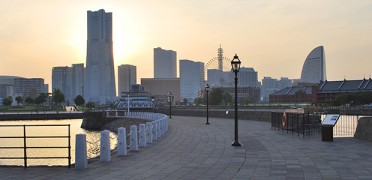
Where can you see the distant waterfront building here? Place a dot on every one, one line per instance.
(127, 76)
(29, 87)
(296, 94)
(99, 84)
(252, 93)
(219, 78)
(271, 85)
(61, 79)
(77, 80)
(191, 79)
(247, 77)
(7, 86)
(328, 90)
(160, 87)
(314, 68)
(165, 63)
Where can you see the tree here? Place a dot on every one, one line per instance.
(41, 98)
(198, 100)
(58, 97)
(215, 96)
(19, 100)
(90, 105)
(227, 98)
(79, 100)
(29, 100)
(8, 101)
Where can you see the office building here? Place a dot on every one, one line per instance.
(219, 78)
(165, 63)
(314, 68)
(191, 79)
(77, 80)
(99, 83)
(127, 76)
(160, 87)
(247, 77)
(61, 79)
(29, 87)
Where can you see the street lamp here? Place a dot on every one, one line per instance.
(153, 104)
(235, 64)
(170, 104)
(207, 88)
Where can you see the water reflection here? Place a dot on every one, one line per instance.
(93, 142)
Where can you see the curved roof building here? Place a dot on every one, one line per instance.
(314, 69)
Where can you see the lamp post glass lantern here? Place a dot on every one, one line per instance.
(207, 88)
(170, 104)
(235, 65)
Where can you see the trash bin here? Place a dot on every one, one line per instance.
(327, 133)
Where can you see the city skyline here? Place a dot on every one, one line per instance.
(273, 37)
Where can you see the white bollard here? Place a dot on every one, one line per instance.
(122, 142)
(142, 135)
(149, 132)
(81, 161)
(154, 131)
(105, 151)
(133, 138)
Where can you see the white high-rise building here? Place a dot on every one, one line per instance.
(314, 69)
(191, 79)
(99, 83)
(165, 63)
(127, 76)
(77, 80)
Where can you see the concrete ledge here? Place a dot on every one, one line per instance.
(364, 129)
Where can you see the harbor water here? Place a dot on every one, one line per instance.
(92, 137)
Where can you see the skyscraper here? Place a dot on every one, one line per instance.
(314, 69)
(191, 79)
(127, 76)
(165, 63)
(99, 73)
(61, 79)
(77, 80)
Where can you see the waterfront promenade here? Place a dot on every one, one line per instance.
(193, 150)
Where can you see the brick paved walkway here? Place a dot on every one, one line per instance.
(193, 150)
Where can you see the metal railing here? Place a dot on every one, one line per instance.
(296, 123)
(25, 147)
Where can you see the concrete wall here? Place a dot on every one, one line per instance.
(364, 129)
(94, 120)
(41, 116)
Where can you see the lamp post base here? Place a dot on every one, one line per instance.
(236, 143)
(207, 123)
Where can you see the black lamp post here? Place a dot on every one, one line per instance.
(235, 64)
(153, 103)
(170, 104)
(207, 88)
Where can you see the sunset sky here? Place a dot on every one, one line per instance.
(272, 36)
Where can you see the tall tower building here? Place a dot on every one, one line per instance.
(61, 79)
(220, 58)
(314, 69)
(99, 73)
(127, 76)
(191, 79)
(77, 72)
(165, 63)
